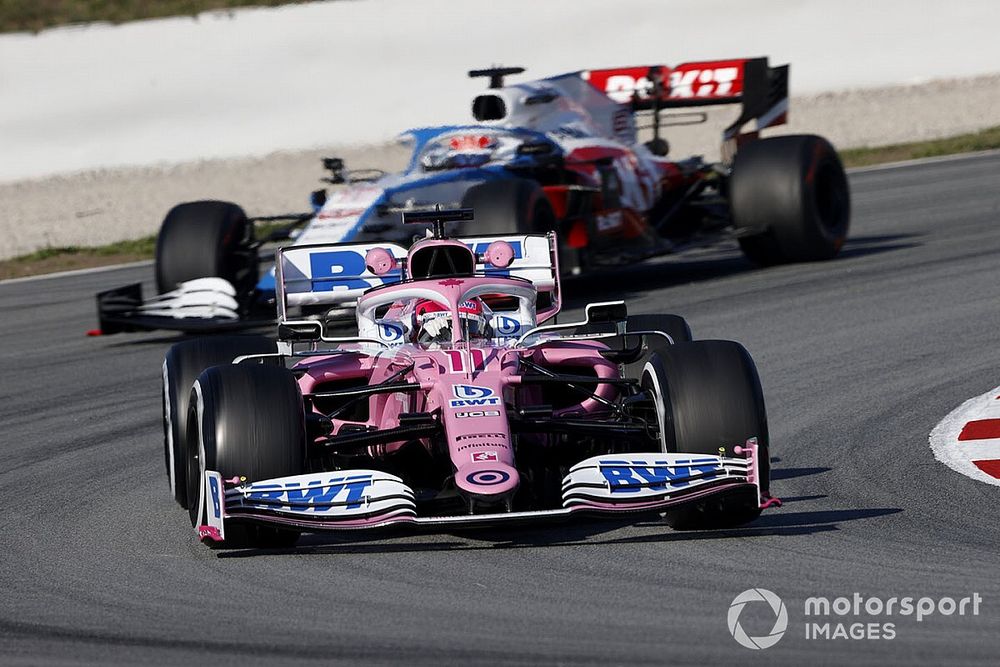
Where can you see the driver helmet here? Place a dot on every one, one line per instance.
(433, 321)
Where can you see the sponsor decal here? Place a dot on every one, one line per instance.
(477, 413)
(634, 476)
(349, 490)
(487, 477)
(333, 270)
(471, 391)
(719, 79)
(213, 485)
(505, 326)
(704, 82)
(471, 396)
(390, 333)
(485, 456)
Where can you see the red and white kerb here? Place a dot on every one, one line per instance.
(968, 439)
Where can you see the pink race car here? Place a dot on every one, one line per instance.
(455, 405)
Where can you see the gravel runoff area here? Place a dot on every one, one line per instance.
(104, 206)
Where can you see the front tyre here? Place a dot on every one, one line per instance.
(205, 239)
(789, 199)
(708, 400)
(181, 367)
(250, 422)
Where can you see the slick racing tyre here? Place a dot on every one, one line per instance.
(205, 239)
(246, 420)
(789, 199)
(707, 398)
(509, 206)
(181, 367)
(515, 206)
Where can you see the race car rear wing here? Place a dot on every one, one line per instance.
(331, 275)
(761, 89)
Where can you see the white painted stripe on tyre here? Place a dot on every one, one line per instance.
(167, 411)
(201, 455)
(959, 455)
(661, 413)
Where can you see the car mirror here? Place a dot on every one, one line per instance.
(607, 312)
(499, 254)
(380, 261)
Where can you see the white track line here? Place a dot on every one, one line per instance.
(960, 454)
(924, 160)
(76, 272)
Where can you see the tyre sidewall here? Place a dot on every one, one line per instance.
(206, 239)
(182, 365)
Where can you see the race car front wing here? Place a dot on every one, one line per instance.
(366, 499)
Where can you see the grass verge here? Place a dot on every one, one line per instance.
(963, 143)
(68, 258)
(49, 260)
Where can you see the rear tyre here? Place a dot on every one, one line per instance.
(249, 422)
(791, 194)
(204, 239)
(181, 367)
(509, 206)
(708, 400)
(516, 206)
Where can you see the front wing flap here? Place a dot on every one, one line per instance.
(204, 305)
(366, 499)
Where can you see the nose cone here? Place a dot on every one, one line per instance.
(487, 480)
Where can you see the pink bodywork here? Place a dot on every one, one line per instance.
(468, 384)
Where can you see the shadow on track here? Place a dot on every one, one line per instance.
(775, 524)
(701, 265)
(791, 473)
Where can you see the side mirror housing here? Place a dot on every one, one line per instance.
(380, 261)
(608, 312)
(499, 254)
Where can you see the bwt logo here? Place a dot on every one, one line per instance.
(776, 608)
(505, 326)
(471, 391)
(471, 396)
(342, 270)
(316, 496)
(635, 477)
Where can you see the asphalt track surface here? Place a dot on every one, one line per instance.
(859, 358)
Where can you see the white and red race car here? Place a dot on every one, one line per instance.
(557, 154)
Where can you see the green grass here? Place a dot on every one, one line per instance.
(964, 143)
(66, 258)
(35, 15)
(48, 260)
